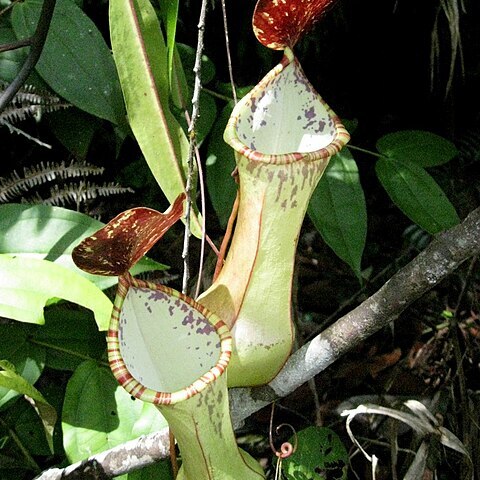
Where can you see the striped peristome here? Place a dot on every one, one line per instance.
(182, 304)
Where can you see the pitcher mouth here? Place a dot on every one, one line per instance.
(284, 120)
(122, 357)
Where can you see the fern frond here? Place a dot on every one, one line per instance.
(71, 184)
(15, 186)
(30, 102)
(11, 187)
(43, 173)
(81, 192)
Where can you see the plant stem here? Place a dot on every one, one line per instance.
(25, 42)
(191, 152)
(31, 462)
(364, 150)
(226, 98)
(227, 46)
(65, 350)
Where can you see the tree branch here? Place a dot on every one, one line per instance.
(37, 43)
(441, 258)
(24, 42)
(444, 255)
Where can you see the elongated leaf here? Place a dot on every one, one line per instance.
(33, 431)
(98, 414)
(75, 62)
(179, 91)
(29, 359)
(338, 211)
(11, 380)
(28, 284)
(169, 12)
(417, 467)
(141, 58)
(417, 146)
(220, 165)
(51, 233)
(417, 194)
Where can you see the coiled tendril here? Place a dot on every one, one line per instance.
(286, 449)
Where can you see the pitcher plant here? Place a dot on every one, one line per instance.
(166, 349)
(283, 134)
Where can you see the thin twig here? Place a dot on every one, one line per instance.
(28, 457)
(38, 41)
(227, 46)
(8, 7)
(215, 94)
(364, 150)
(202, 210)
(191, 151)
(24, 42)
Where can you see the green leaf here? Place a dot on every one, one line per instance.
(220, 165)
(69, 336)
(75, 62)
(28, 359)
(206, 119)
(30, 432)
(338, 211)
(182, 86)
(417, 194)
(169, 12)
(42, 410)
(74, 129)
(417, 146)
(51, 233)
(187, 56)
(28, 284)
(320, 455)
(99, 414)
(160, 471)
(179, 90)
(12, 60)
(12, 380)
(141, 58)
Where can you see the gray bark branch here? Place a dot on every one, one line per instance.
(444, 255)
